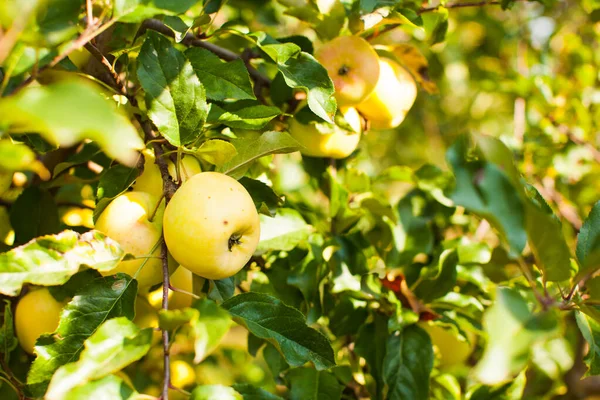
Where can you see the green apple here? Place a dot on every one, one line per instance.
(211, 225)
(353, 66)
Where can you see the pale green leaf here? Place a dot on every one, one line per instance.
(283, 232)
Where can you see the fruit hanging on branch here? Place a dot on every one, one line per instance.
(37, 312)
(322, 139)
(353, 66)
(211, 225)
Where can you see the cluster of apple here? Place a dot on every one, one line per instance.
(211, 228)
(377, 88)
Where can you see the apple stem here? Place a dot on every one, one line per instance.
(160, 199)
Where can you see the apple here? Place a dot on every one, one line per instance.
(353, 66)
(392, 98)
(181, 279)
(37, 312)
(211, 225)
(321, 139)
(450, 349)
(126, 220)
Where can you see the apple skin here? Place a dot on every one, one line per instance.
(450, 349)
(353, 66)
(181, 279)
(338, 144)
(125, 220)
(37, 312)
(392, 98)
(211, 225)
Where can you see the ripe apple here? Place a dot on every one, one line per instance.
(392, 98)
(181, 279)
(450, 349)
(211, 225)
(37, 312)
(322, 139)
(353, 67)
(126, 220)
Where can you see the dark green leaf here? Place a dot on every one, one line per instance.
(34, 214)
(8, 341)
(222, 81)
(253, 117)
(588, 242)
(283, 326)
(113, 181)
(175, 98)
(443, 281)
(310, 384)
(97, 302)
(52, 260)
(250, 149)
(265, 199)
(275, 361)
(222, 289)
(373, 351)
(408, 363)
(114, 345)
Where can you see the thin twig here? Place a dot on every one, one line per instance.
(95, 52)
(526, 270)
(90, 13)
(165, 333)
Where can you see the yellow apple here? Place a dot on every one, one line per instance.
(450, 348)
(188, 167)
(211, 225)
(353, 66)
(182, 374)
(126, 220)
(392, 98)
(181, 279)
(37, 313)
(327, 140)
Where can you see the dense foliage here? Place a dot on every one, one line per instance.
(453, 256)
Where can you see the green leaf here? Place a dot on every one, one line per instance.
(302, 71)
(438, 33)
(512, 331)
(48, 110)
(222, 81)
(110, 387)
(216, 152)
(209, 328)
(283, 326)
(215, 392)
(95, 303)
(253, 117)
(512, 390)
(283, 232)
(34, 214)
(52, 260)
(373, 351)
(588, 242)
(139, 10)
(484, 189)
(250, 392)
(18, 157)
(175, 98)
(408, 363)
(443, 281)
(250, 149)
(8, 341)
(310, 384)
(265, 199)
(474, 253)
(546, 240)
(590, 329)
(117, 343)
(222, 289)
(56, 21)
(275, 361)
